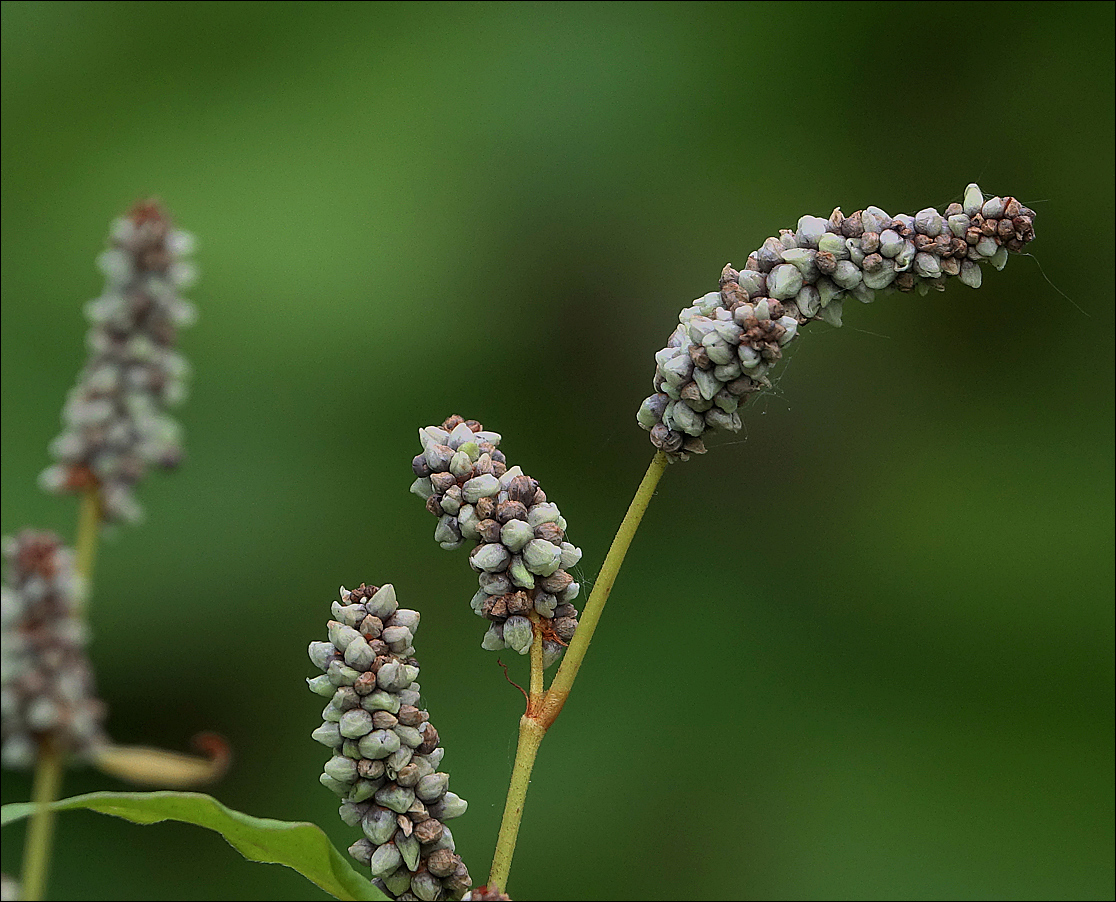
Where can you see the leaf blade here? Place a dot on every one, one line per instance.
(298, 845)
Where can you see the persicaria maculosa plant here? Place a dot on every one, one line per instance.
(116, 427)
(385, 752)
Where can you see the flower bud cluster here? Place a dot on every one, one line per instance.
(727, 341)
(115, 421)
(386, 751)
(46, 689)
(521, 554)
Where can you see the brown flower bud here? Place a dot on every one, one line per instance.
(429, 740)
(442, 483)
(429, 831)
(551, 532)
(511, 510)
(522, 489)
(489, 530)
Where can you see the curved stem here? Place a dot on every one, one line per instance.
(534, 724)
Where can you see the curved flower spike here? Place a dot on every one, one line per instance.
(727, 341)
(521, 554)
(115, 421)
(386, 751)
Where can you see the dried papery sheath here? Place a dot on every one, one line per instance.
(47, 682)
(520, 551)
(728, 340)
(386, 751)
(115, 420)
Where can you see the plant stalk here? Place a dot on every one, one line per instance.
(36, 851)
(539, 717)
(89, 523)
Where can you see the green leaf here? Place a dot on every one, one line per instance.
(294, 844)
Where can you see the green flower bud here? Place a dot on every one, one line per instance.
(342, 769)
(432, 787)
(379, 824)
(333, 785)
(409, 848)
(320, 685)
(328, 734)
(385, 860)
(355, 723)
(518, 633)
(397, 798)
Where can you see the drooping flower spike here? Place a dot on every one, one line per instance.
(386, 752)
(115, 422)
(727, 341)
(521, 554)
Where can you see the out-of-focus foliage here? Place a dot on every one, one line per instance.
(863, 650)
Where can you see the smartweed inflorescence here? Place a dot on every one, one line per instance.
(48, 691)
(728, 340)
(386, 752)
(115, 418)
(521, 554)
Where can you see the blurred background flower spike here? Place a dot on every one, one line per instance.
(115, 421)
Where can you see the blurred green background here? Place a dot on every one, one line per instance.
(863, 651)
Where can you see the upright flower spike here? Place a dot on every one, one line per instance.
(386, 752)
(115, 421)
(727, 341)
(521, 554)
(47, 689)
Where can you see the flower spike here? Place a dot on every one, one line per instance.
(386, 751)
(727, 341)
(48, 692)
(115, 419)
(521, 554)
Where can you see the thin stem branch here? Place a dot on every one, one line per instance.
(610, 569)
(534, 724)
(536, 664)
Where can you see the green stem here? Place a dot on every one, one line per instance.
(50, 763)
(89, 523)
(610, 569)
(539, 717)
(36, 852)
(530, 735)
